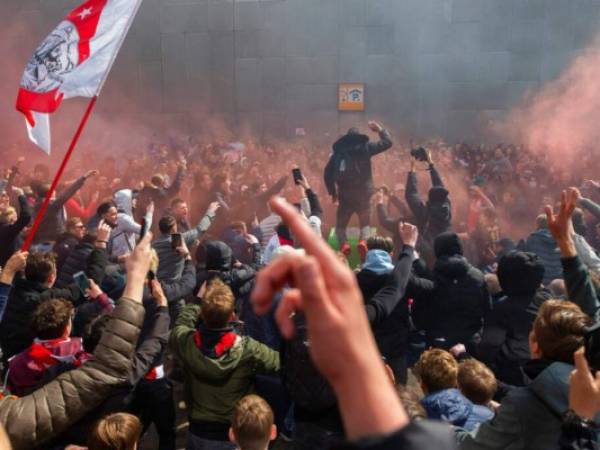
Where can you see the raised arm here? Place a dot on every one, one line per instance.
(195, 233)
(385, 140)
(384, 219)
(176, 185)
(53, 408)
(72, 189)
(381, 306)
(313, 199)
(416, 205)
(579, 286)
(15, 264)
(155, 340)
(591, 206)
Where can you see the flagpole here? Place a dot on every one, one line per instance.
(57, 177)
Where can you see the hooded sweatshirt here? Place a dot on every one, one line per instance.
(378, 262)
(123, 237)
(505, 343)
(451, 307)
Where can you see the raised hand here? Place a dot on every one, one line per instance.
(91, 173)
(560, 224)
(342, 345)
(374, 126)
(183, 250)
(213, 207)
(138, 265)
(584, 388)
(93, 291)
(15, 264)
(103, 234)
(408, 233)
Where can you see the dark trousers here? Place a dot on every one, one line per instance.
(346, 209)
(153, 403)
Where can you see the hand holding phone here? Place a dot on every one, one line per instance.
(297, 174)
(176, 240)
(144, 229)
(82, 281)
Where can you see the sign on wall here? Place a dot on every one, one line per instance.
(351, 97)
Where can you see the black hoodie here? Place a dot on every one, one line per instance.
(505, 343)
(348, 172)
(435, 216)
(216, 261)
(452, 305)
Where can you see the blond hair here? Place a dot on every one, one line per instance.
(119, 431)
(252, 423)
(217, 305)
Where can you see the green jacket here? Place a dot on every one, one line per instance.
(215, 385)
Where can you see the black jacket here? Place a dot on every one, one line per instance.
(435, 216)
(15, 330)
(218, 263)
(9, 233)
(63, 247)
(386, 304)
(76, 261)
(451, 305)
(505, 342)
(348, 171)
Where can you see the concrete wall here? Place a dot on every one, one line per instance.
(432, 67)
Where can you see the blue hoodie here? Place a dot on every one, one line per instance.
(451, 406)
(379, 262)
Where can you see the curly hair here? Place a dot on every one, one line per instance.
(50, 318)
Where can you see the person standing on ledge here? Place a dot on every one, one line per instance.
(349, 181)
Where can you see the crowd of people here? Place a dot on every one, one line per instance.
(467, 320)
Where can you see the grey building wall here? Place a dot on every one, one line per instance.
(431, 67)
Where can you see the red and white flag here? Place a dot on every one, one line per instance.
(73, 61)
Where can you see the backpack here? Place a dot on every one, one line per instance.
(306, 386)
(348, 170)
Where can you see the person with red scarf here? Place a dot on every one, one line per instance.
(51, 323)
(219, 365)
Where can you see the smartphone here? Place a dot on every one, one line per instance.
(297, 174)
(592, 346)
(176, 240)
(82, 281)
(144, 229)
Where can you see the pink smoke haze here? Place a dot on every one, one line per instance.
(561, 120)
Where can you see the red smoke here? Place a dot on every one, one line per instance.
(561, 120)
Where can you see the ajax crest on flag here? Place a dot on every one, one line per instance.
(55, 57)
(72, 61)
